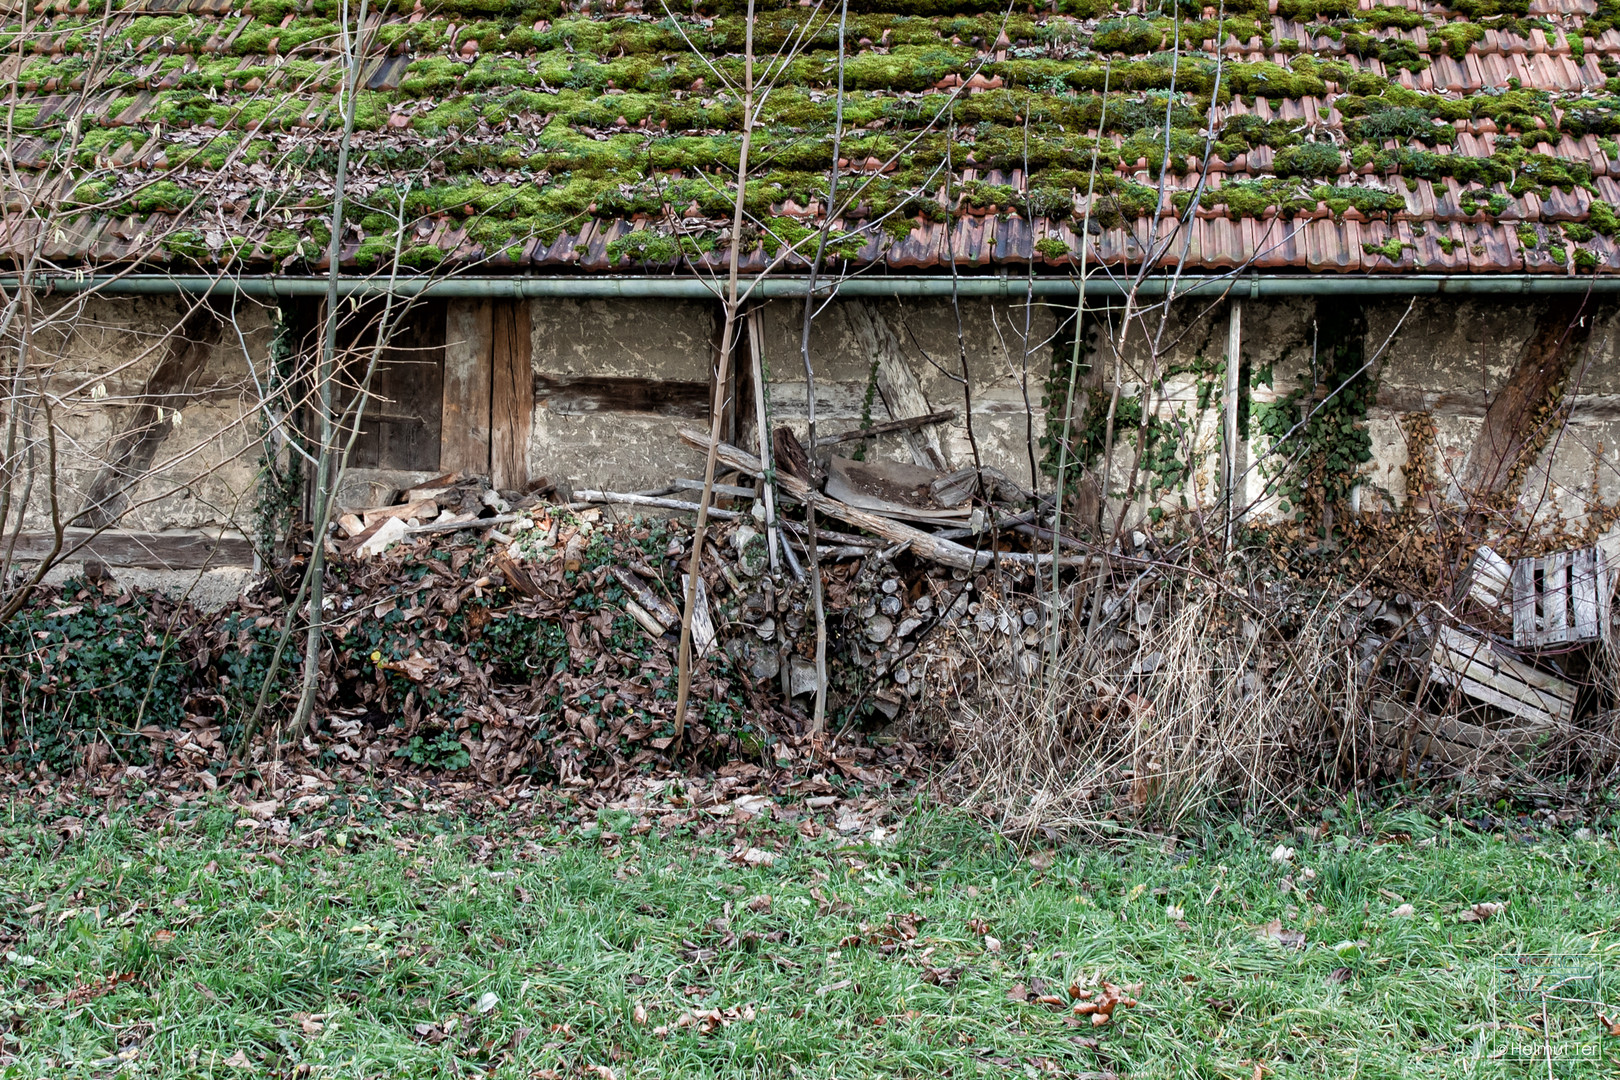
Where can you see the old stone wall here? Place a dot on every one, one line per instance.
(153, 429)
(615, 379)
(908, 353)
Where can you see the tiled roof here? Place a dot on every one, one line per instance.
(595, 135)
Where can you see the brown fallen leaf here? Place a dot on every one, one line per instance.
(416, 668)
(639, 1013)
(1483, 910)
(1288, 939)
(1612, 1026)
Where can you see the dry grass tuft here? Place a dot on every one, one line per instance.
(1182, 699)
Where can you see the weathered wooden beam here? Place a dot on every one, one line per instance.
(1512, 420)
(131, 452)
(511, 411)
(589, 394)
(142, 550)
(465, 420)
(1229, 415)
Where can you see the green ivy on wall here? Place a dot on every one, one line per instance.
(281, 474)
(1317, 434)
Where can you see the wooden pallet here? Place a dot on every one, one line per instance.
(1421, 736)
(1474, 667)
(1562, 598)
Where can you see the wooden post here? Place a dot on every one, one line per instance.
(756, 350)
(467, 388)
(488, 391)
(511, 396)
(1230, 457)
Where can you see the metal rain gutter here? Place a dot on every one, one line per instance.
(582, 287)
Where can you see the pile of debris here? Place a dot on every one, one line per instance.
(753, 626)
(505, 635)
(1506, 671)
(939, 600)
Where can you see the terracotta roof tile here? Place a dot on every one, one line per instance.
(507, 151)
(1492, 249)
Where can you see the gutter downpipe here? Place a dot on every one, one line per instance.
(272, 287)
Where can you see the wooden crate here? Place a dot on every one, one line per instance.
(1421, 736)
(1470, 664)
(1561, 598)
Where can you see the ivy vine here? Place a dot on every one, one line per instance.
(1317, 434)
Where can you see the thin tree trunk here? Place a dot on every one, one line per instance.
(323, 471)
(818, 716)
(717, 410)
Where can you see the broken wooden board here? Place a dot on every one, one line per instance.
(141, 550)
(1456, 743)
(1562, 598)
(890, 488)
(1474, 667)
(1490, 580)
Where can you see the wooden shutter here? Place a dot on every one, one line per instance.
(401, 426)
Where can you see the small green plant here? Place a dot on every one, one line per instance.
(1052, 247)
(866, 409)
(89, 670)
(435, 750)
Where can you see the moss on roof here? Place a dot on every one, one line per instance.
(518, 122)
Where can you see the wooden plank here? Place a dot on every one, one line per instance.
(1452, 668)
(511, 409)
(1477, 671)
(141, 550)
(1583, 590)
(1490, 579)
(1480, 650)
(1554, 598)
(464, 443)
(1450, 742)
(1524, 602)
(569, 396)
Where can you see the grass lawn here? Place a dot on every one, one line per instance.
(429, 944)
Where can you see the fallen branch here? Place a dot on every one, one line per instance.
(924, 544)
(469, 523)
(888, 427)
(719, 489)
(588, 496)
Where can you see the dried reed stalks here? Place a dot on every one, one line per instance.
(1182, 700)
